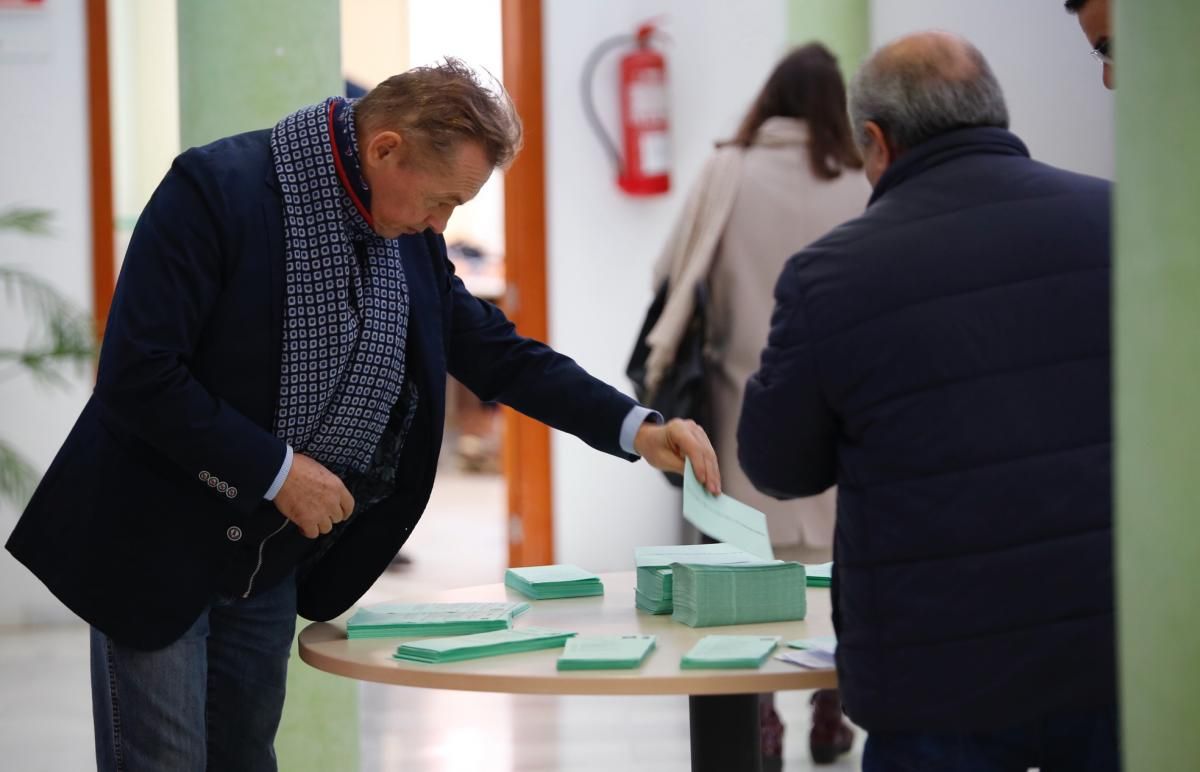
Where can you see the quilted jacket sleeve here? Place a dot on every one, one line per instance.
(787, 432)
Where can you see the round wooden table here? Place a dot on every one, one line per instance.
(723, 704)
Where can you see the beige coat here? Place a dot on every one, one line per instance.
(750, 211)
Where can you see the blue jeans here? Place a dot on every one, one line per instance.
(1084, 741)
(210, 700)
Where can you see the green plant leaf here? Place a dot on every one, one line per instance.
(17, 477)
(33, 221)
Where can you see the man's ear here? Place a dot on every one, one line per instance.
(880, 142)
(383, 146)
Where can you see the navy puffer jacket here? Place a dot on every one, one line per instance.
(944, 359)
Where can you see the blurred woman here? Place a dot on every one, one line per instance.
(789, 175)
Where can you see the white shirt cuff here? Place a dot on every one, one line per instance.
(279, 478)
(637, 416)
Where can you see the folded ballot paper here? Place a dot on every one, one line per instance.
(654, 577)
(605, 652)
(729, 651)
(460, 647)
(706, 595)
(725, 518)
(544, 582)
(388, 620)
(815, 653)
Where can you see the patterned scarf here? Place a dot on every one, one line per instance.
(347, 301)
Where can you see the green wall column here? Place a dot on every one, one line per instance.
(844, 26)
(242, 66)
(1157, 390)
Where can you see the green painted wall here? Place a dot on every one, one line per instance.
(244, 65)
(842, 25)
(1158, 381)
(319, 730)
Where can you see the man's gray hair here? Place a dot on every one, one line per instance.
(924, 86)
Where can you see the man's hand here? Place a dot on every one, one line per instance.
(313, 497)
(666, 446)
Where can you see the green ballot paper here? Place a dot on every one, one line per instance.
(819, 574)
(606, 652)
(729, 651)
(460, 647)
(654, 579)
(560, 581)
(705, 596)
(653, 591)
(724, 518)
(390, 620)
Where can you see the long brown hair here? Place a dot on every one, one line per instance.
(807, 84)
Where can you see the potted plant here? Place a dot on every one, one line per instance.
(60, 337)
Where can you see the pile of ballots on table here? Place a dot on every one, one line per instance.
(724, 652)
(557, 581)
(655, 589)
(606, 652)
(460, 647)
(705, 585)
(387, 620)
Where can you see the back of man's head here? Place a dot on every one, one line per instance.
(922, 86)
(1073, 6)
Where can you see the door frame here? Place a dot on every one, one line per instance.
(104, 264)
(527, 470)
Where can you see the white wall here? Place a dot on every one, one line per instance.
(374, 40)
(143, 66)
(1055, 99)
(45, 161)
(601, 243)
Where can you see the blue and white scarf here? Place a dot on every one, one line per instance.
(346, 299)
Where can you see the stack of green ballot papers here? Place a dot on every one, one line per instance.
(606, 652)
(389, 620)
(729, 651)
(653, 593)
(819, 574)
(544, 582)
(654, 578)
(460, 647)
(705, 596)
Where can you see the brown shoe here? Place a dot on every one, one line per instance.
(770, 729)
(830, 736)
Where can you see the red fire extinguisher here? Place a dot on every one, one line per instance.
(644, 161)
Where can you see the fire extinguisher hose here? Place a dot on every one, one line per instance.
(589, 102)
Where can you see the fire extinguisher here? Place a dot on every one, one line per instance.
(643, 163)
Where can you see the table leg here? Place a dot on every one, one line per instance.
(725, 733)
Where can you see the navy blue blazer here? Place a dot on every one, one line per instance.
(126, 527)
(944, 359)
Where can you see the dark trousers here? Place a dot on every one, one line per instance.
(1083, 741)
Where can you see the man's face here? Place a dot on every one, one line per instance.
(408, 195)
(1095, 20)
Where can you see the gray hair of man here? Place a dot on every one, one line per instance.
(924, 85)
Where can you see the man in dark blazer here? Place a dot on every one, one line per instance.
(267, 417)
(944, 359)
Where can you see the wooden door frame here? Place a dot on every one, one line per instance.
(526, 442)
(104, 264)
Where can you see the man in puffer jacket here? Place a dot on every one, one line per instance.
(944, 360)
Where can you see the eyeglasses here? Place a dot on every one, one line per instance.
(1104, 51)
